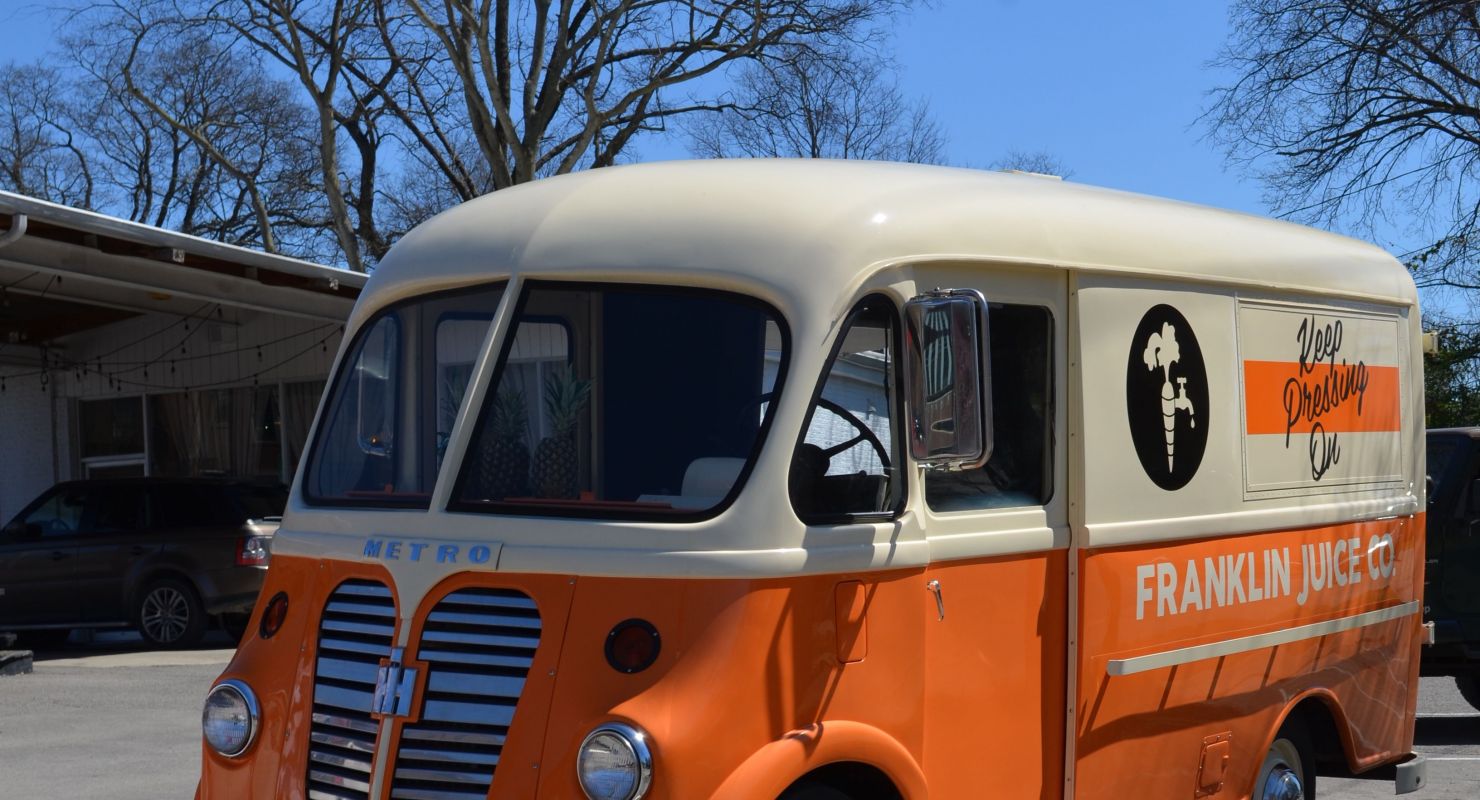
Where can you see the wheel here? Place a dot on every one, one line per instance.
(813, 791)
(1288, 771)
(1469, 687)
(169, 614)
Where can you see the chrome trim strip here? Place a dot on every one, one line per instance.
(424, 734)
(490, 600)
(435, 794)
(337, 780)
(468, 713)
(444, 775)
(502, 686)
(345, 670)
(485, 620)
(365, 609)
(1227, 647)
(350, 646)
(480, 659)
(529, 642)
(343, 742)
(358, 765)
(347, 723)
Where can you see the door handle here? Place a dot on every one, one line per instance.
(138, 550)
(58, 555)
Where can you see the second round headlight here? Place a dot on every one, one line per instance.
(229, 720)
(615, 763)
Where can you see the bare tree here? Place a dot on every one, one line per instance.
(1356, 109)
(335, 52)
(191, 133)
(40, 154)
(549, 88)
(1041, 162)
(812, 104)
(291, 122)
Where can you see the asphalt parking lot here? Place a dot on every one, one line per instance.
(110, 719)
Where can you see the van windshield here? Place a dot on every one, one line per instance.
(624, 402)
(388, 419)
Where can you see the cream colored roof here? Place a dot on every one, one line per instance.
(789, 228)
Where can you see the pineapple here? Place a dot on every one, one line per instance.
(503, 458)
(555, 460)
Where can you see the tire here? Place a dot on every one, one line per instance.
(169, 614)
(1469, 687)
(813, 791)
(1289, 768)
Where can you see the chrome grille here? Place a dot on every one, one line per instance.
(477, 645)
(355, 633)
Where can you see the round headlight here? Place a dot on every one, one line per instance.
(229, 720)
(615, 763)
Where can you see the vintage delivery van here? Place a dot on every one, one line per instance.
(820, 480)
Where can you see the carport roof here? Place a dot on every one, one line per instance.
(92, 261)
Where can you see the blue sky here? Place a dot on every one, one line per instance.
(1113, 90)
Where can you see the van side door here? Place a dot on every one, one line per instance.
(995, 610)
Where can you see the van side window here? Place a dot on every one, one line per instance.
(847, 464)
(1020, 471)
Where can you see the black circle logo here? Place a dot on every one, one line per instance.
(1166, 398)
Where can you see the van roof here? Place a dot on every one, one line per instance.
(786, 228)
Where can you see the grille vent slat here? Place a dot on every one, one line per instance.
(478, 645)
(355, 632)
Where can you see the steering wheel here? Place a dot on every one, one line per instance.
(56, 525)
(865, 433)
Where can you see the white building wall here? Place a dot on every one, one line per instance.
(142, 356)
(26, 454)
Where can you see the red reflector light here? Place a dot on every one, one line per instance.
(253, 551)
(633, 646)
(273, 615)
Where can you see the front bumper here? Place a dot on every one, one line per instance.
(1412, 774)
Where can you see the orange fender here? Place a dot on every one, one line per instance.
(768, 772)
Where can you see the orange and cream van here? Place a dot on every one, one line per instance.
(824, 480)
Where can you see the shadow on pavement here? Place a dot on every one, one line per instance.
(98, 643)
(1431, 731)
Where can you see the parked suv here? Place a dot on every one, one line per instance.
(159, 554)
(1452, 575)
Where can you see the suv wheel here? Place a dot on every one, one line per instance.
(169, 614)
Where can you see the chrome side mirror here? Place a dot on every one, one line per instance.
(948, 376)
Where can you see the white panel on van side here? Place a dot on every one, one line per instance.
(1185, 416)
(1160, 383)
(1322, 398)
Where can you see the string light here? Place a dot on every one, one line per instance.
(114, 371)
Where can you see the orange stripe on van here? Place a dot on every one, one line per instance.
(1354, 398)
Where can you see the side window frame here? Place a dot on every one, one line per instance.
(1049, 467)
(900, 465)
